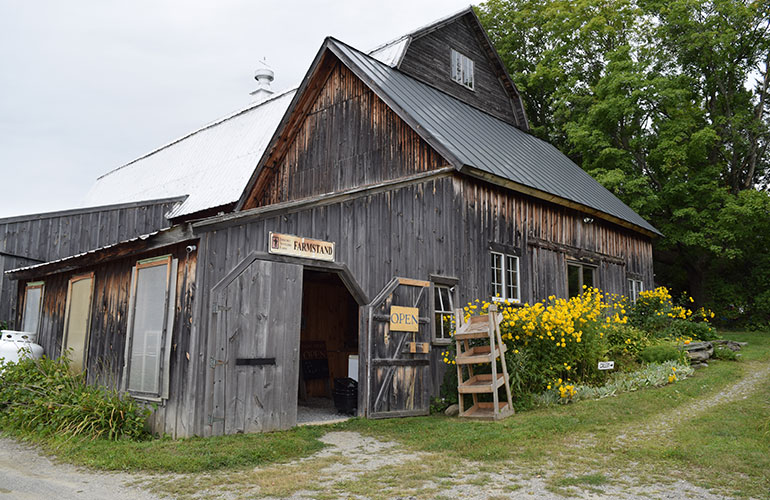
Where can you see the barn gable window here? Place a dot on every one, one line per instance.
(443, 309)
(634, 287)
(462, 69)
(150, 322)
(33, 303)
(578, 276)
(505, 277)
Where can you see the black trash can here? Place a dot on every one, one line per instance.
(345, 395)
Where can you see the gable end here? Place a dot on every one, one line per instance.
(347, 137)
(428, 58)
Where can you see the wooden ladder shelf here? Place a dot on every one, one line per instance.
(484, 327)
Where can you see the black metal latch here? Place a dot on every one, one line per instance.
(254, 361)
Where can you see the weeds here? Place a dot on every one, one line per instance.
(42, 397)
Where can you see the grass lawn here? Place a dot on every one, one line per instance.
(725, 446)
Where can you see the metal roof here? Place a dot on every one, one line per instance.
(210, 165)
(472, 138)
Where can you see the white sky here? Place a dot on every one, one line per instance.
(88, 85)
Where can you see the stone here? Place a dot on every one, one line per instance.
(699, 352)
(730, 344)
(452, 410)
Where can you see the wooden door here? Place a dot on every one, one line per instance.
(77, 321)
(398, 373)
(258, 327)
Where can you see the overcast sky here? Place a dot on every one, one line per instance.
(88, 85)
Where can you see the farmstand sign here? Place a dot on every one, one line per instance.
(295, 246)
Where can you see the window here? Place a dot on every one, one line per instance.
(443, 307)
(505, 277)
(634, 287)
(77, 320)
(149, 327)
(579, 276)
(33, 303)
(462, 69)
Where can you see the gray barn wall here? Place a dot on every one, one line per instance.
(108, 325)
(442, 226)
(31, 239)
(349, 137)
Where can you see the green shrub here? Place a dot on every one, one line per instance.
(626, 341)
(724, 353)
(692, 330)
(43, 397)
(662, 352)
(655, 312)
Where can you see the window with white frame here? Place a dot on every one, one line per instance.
(443, 307)
(579, 276)
(33, 303)
(150, 323)
(462, 69)
(634, 287)
(505, 277)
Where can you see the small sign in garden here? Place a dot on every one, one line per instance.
(606, 365)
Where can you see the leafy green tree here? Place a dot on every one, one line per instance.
(666, 104)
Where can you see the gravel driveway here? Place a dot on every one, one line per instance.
(25, 474)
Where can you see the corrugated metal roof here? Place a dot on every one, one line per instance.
(210, 165)
(478, 140)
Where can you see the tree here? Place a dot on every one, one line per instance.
(666, 104)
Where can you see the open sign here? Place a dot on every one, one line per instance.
(404, 319)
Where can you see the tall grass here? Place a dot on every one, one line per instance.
(43, 397)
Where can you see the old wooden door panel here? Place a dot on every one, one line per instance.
(259, 335)
(399, 380)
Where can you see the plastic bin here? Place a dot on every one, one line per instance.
(345, 395)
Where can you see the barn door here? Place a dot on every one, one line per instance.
(258, 327)
(398, 373)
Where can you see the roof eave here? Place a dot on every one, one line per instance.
(542, 195)
(140, 244)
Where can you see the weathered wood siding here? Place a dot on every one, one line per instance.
(443, 226)
(109, 315)
(428, 59)
(349, 138)
(31, 239)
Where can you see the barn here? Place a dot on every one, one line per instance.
(404, 177)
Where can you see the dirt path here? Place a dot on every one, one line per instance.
(359, 467)
(26, 474)
(663, 424)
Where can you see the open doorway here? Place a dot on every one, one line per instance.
(328, 345)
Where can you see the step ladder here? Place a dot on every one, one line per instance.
(483, 327)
